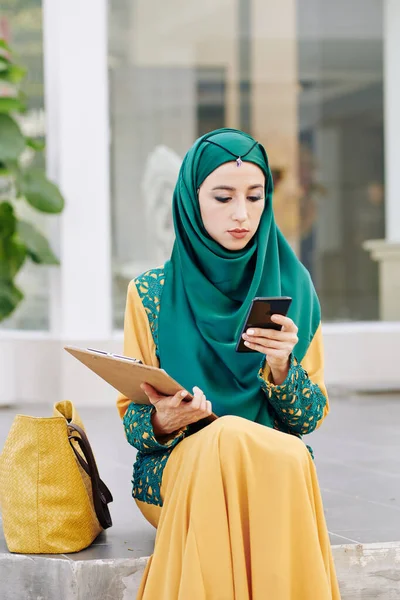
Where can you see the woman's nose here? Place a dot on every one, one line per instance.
(240, 213)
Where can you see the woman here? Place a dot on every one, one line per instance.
(236, 503)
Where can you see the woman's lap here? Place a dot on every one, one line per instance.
(229, 431)
(243, 514)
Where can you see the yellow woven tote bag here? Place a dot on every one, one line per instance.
(51, 496)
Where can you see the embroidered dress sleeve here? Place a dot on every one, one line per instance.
(301, 402)
(139, 431)
(140, 342)
(138, 339)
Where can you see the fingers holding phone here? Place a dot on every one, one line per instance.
(277, 345)
(269, 331)
(264, 313)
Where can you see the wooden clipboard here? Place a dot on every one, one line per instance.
(126, 374)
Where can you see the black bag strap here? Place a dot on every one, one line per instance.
(101, 494)
(102, 486)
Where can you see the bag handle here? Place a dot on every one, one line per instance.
(101, 494)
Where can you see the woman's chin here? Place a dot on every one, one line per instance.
(234, 244)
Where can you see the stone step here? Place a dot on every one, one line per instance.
(360, 484)
(365, 571)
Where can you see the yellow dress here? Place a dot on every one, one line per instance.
(240, 516)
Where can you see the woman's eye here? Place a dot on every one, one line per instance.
(222, 199)
(254, 198)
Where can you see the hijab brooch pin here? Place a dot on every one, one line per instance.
(239, 160)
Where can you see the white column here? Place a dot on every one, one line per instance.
(387, 252)
(76, 84)
(391, 60)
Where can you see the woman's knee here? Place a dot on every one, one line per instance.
(231, 430)
(281, 447)
(227, 430)
(230, 425)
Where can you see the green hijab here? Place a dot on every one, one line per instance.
(208, 289)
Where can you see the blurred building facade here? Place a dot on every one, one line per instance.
(125, 86)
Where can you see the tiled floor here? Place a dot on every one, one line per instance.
(358, 460)
(357, 456)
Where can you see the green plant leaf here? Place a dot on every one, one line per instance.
(10, 297)
(10, 104)
(18, 257)
(12, 141)
(12, 256)
(5, 46)
(8, 221)
(11, 171)
(14, 74)
(4, 64)
(41, 193)
(37, 246)
(35, 144)
(12, 250)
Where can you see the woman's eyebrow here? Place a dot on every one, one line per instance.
(224, 187)
(232, 189)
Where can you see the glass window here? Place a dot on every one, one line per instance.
(21, 26)
(341, 151)
(301, 79)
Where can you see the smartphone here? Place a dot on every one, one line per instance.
(259, 316)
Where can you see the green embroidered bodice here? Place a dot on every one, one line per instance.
(298, 405)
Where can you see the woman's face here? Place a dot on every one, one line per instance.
(231, 202)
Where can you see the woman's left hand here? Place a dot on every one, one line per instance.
(276, 345)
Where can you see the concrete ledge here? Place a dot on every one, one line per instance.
(25, 577)
(365, 571)
(368, 571)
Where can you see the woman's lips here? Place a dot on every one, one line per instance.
(238, 233)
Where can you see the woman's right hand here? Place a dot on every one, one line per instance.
(172, 413)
